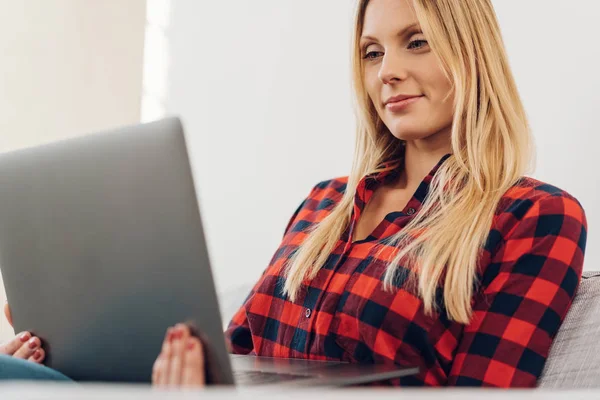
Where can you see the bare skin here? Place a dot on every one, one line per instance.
(393, 65)
(24, 345)
(397, 60)
(181, 360)
(179, 364)
(385, 200)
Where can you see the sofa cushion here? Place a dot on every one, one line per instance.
(574, 360)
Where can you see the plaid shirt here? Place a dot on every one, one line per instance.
(529, 272)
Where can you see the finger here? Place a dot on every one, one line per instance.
(38, 356)
(27, 349)
(8, 314)
(15, 343)
(165, 356)
(193, 364)
(157, 369)
(181, 334)
(157, 366)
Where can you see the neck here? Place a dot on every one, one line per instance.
(420, 157)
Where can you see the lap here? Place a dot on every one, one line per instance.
(18, 369)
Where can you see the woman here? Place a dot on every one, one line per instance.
(436, 251)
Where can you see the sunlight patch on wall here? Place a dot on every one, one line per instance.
(156, 60)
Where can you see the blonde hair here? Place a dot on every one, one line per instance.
(491, 150)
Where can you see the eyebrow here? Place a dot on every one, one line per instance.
(402, 31)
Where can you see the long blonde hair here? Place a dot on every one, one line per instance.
(491, 150)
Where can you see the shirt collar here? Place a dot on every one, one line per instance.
(388, 171)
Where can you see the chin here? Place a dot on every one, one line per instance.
(409, 129)
(409, 134)
(404, 128)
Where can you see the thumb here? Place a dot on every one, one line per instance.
(8, 314)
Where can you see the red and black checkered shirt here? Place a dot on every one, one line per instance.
(529, 272)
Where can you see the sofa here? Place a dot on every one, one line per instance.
(574, 360)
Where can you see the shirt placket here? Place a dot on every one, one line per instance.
(363, 193)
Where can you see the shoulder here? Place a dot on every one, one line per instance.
(332, 186)
(326, 194)
(530, 197)
(532, 210)
(323, 197)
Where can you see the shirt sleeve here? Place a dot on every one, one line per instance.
(524, 295)
(237, 335)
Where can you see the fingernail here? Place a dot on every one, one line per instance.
(32, 344)
(190, 344)
(25, 337)
(37, 354)
(178, 333)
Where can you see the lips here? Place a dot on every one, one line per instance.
(401, 105)
(400, 97)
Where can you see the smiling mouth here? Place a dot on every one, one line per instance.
(401, 104)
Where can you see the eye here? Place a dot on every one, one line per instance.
(369, 55)
(414, 44)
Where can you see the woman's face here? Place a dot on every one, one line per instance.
(399, 62)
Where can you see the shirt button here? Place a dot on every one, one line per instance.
(410, 211)
(307, 313)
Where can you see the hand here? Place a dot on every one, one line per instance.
(24, 345)
(181, 360)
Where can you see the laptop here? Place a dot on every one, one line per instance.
(102, 248)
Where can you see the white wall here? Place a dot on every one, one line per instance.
(263, 88)
(554, 51)
(67, 67)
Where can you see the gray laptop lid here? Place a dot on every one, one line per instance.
(102, 248)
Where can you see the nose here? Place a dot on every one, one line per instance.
(392, 68)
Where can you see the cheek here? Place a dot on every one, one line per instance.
(372, 90)
(438, 89)
(440, 96)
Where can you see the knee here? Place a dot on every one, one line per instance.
(12, 368)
